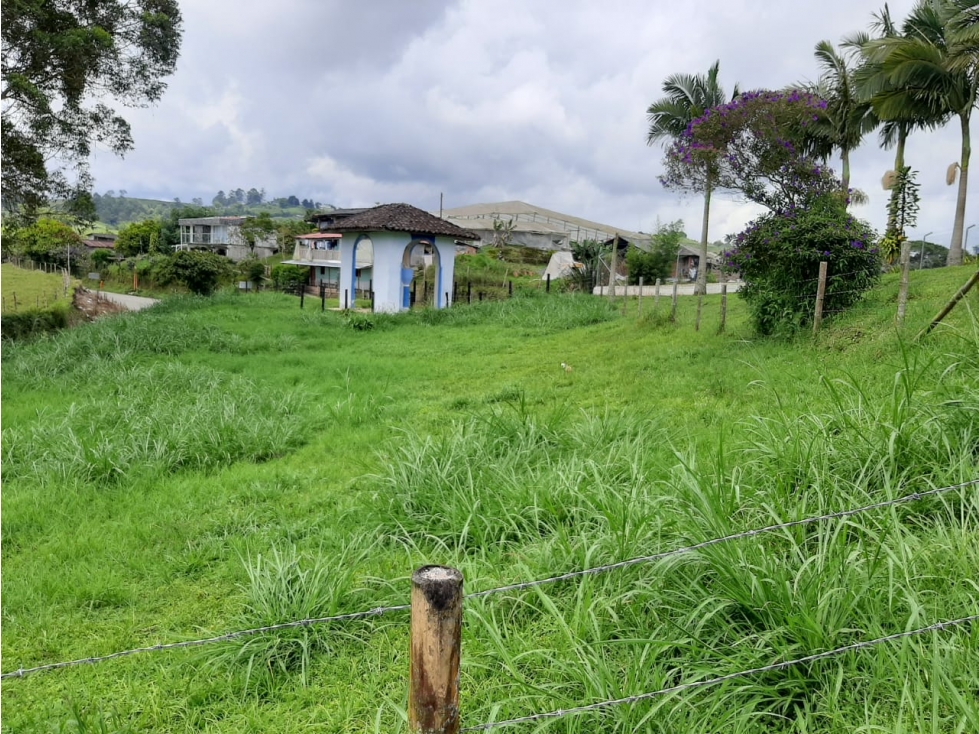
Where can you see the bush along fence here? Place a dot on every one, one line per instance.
(436, 608)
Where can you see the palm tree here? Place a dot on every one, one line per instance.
(848, 117)
(688, 96)
(927, 76)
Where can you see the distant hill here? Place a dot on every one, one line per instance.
(117, 211)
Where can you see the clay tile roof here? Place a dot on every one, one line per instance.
(402, 218)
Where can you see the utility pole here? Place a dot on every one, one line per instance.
(924, 240)
(611, 273)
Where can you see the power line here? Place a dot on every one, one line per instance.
(378, 611)
(938, 626)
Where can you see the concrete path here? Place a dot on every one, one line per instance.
(666, 289)
(130, 303)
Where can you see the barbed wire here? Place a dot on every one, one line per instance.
(595, 570)
(560, 713)
(914, 497)
(376, 612)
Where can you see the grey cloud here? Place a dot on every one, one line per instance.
(481, 100)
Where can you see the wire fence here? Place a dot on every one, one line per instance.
(596, 570)
(601, 705)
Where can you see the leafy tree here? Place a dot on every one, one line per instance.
(288, 277)
(253, 270)
(658, 261)
(778, 256)
(239, 195)
(79, 211)
(287, 231)
(929, 75)
(307, 204)
(58, 57)
(689, 97)
(847, 117)
(47, 241)
(140, 238)
(256, 229)
(201, 272)
(902, 213)
(758, 145)
(102, 257)
(293, 201)
(253, 197)
(219, 199)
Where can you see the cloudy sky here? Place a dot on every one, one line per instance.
(483, 100)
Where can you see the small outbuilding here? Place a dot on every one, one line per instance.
(393, 231)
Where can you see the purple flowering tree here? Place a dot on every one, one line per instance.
(756, 146)
(778, 257)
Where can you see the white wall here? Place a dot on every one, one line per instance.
(389, 249)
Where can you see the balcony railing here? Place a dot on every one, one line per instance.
(329, 258)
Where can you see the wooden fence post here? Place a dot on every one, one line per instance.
(676, 284)
(950, 305)
(446, 304)
(640, 297)
(700, 307)
(346, 299)
(469, 292)
(902, 294)
(511, 288)
(656, 294)
(723, 306)
(548, 290)
(612, 268)
(322, 296)
(817, 319)
(436, 641)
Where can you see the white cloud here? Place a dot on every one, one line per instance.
(542, 101)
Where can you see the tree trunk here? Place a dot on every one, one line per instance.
(902, 139)
(955, 246)
(845, 178)
(701, 287)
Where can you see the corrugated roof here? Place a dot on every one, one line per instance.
(522, 212)
(402, 218)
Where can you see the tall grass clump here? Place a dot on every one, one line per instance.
(156, 420)
(285, 586)
(780, 596)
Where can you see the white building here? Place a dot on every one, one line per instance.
(222, 235)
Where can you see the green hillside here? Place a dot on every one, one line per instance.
(220, 464)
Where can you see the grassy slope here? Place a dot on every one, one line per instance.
(32, 287)
(113, 542)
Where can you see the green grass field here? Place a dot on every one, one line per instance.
(31, 289)
(214, 465)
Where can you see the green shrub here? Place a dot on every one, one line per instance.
(16, 326)
(288, 277)
(778, 257)
(201, 272)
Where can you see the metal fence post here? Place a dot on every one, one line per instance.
(436, 642)
(302, 295)
(700, 306)
(640, 297)
(676, 285)
(469, 292)
(548, 282)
